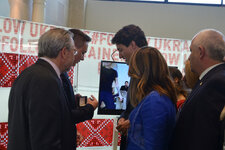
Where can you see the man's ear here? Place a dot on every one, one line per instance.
(202, 51)
(63, 52)
(133, 45)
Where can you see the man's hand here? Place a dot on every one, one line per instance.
(79, 138)
(93, 101)
(123, 126)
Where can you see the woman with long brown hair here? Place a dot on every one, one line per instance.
(153, 95)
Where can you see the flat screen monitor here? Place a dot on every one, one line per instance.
(113, 87)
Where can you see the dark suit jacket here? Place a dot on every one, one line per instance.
(198, 126)
(125, 115)
(40, 117)
(79, 114)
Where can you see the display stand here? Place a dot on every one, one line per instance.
(115, 134)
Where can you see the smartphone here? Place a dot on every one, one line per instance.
(82, 101)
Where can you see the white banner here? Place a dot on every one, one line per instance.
(21, 37)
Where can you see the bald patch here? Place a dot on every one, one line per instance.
(207, 35)
(213, 41)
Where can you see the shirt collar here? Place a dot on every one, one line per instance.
(207, 70)
(54, 66)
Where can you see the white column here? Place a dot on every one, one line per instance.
(77, 9)
(115, 134)
(20, 9)
(39, 10)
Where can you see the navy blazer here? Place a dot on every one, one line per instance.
(79, 114)
(198, 126)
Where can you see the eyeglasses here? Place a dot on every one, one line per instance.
(75, 51)
(113, 54)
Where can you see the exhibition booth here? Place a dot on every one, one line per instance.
(18, 50)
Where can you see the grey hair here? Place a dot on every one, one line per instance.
(53, 41)
(214, 43)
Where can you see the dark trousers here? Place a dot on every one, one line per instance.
(123, 142)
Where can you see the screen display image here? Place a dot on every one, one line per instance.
(113, 87)
(82, 101)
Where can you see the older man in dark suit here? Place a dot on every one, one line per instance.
(40, 114)
(200, 123)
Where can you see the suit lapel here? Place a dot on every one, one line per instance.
(68, 90)
(194, 91)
